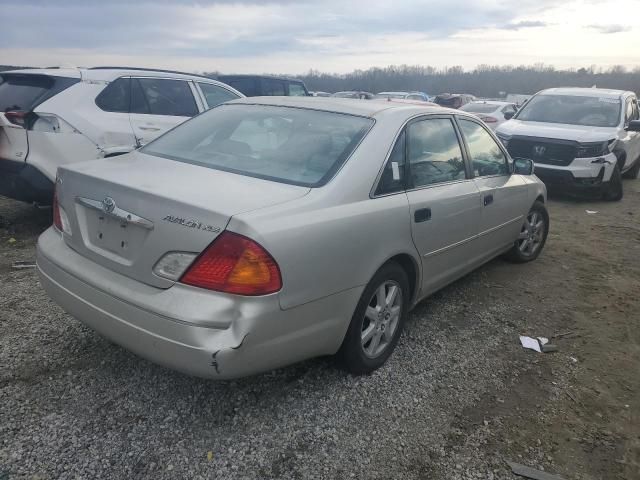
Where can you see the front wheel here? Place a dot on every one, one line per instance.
(533, 235)
(613, 188)
(633, 172)
(377, 323)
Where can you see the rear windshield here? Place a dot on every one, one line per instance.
(26, 91)
(453, 102)
(283, 144)
(572, 110)
(479, 107)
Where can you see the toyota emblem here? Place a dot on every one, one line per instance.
(108, 205)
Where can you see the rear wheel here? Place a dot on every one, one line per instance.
(377, 322)
(533, 235)
(613, 188)
(633, 171)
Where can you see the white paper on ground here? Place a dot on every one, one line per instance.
(591, 212)
(531, 343)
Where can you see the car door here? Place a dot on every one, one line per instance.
(503, 196)
(159, 104)
(111, 118)
(444, 202)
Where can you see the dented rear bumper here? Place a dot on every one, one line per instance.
(195, 331)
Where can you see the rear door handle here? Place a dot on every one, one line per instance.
(422, 215)
(488, 200)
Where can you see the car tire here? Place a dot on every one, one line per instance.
(532, 237)
(376, 317)
(613, 188)
(632, 173)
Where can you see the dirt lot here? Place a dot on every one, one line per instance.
(458, 399)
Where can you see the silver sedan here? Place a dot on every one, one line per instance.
(271, 230)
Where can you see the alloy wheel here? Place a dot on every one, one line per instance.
(532, 234)
(381, 319)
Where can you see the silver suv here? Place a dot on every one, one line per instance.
(52, 117)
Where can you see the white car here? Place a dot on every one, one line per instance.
(420, 96)
(579, 138)
(51, 117)
(493, 113)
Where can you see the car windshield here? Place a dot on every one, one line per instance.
(284, 144)
(573, 110)
(479, 107)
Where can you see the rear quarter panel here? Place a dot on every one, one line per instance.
(336, 237)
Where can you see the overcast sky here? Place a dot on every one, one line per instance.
(289, 36)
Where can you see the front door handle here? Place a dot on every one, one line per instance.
(422, 215)
(488, 200)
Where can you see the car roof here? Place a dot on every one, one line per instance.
(392, 93)
(111, 73)
(54, 72)
(246, 75)
(369, 108)
(585, 92)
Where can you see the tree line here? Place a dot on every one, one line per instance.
(483, 81)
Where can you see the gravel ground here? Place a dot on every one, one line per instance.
(457, 399)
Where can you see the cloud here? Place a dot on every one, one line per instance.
(607, 29)
(242, 27)
(524, 24)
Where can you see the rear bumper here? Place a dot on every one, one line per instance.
(250, 335)
(22, 181)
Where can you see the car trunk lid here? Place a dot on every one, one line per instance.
(127, 212)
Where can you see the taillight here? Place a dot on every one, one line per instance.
(57, 218)
(60, 219)
(489, 119)
(16, 117)
(235, 264)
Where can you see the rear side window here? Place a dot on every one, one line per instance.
(272, 87)
(215, 95)
(115, 96)
(393, 175)
(26, 91)
(158, 96)
(297, 90)
(288, 145)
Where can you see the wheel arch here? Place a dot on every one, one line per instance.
(410, 265)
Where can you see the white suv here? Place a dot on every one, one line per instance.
(579, 138)
(50, 117)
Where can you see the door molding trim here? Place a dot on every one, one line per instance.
(474, 237)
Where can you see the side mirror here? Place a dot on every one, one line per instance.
(508, 115)
(634, 126)
(523, 166)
